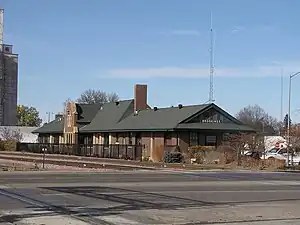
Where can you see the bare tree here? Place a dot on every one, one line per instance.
(7, 133)
(112, 97)
(65, 103)
(92, 96)
(238, 143)
(257, 118)
(295, 137)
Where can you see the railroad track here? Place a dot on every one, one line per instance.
(121, 163)
(53, 208)
(76, 163)
(4, 167)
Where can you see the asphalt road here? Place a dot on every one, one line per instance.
(149, 197)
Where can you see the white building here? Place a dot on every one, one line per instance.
(274, 142)
(17, 132)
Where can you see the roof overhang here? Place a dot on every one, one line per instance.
(221, 130)
(126, 130)
(48, 132)
(224, 127)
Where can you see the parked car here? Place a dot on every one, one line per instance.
(275, 153)
(253, 154)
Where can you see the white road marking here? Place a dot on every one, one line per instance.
(275, 182)
(61, 219)
(36, 219)
(226, 191)
(55, 194)
(52, 220)
(118, 220)
(24, 212)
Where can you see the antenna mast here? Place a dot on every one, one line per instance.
(1, 25)
(211, 71)
(2, 69)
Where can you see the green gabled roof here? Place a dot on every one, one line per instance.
(109, 115)
(87, 112)
(55, 126)
(120, 117)
(161, 119)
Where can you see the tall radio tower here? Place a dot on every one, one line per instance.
(1, 26)
(211, 71)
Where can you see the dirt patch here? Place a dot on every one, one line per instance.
(9, 165)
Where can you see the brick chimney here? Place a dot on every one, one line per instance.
(140, 97)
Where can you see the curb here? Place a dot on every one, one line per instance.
(289, 171)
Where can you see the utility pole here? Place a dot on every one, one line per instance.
(289, 118)
(49, 115)
(281, 95)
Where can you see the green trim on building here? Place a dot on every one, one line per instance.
(214, 126)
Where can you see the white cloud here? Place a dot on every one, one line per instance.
(238, 29)
(181, 32)
(198, 72)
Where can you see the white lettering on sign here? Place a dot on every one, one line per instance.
(211, 121)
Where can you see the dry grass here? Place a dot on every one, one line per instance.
(208, 155)
(274, 164)
(229, 157)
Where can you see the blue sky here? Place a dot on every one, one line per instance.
(66, 47)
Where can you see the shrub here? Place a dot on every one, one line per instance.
(229, 154)
(201, 148)
(275, 163)
(200, 157)
(9, 145)
(199, 151)
(249, 162)
(146, 158)
(173, 157)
